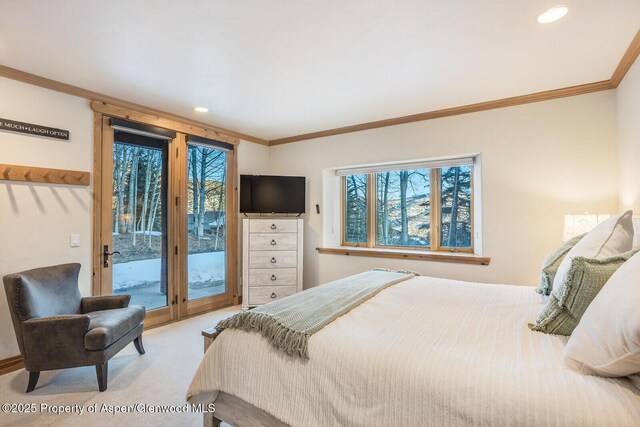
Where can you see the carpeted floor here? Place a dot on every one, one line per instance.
(160, 377)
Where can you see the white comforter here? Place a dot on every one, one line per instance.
(425, 352)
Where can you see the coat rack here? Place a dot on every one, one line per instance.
(46, 175)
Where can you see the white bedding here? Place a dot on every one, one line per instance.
(425, 352)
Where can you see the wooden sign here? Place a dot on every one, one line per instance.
(32, 129)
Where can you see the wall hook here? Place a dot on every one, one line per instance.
(51, 176)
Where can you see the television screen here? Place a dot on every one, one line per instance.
(272, 194)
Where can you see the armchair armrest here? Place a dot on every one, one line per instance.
(106, 302)
(52, 342)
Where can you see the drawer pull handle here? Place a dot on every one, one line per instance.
(273, 260)
(273, 294)
(273, 277)
(273, 242)
(273, 226)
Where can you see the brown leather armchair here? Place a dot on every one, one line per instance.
(56, 328)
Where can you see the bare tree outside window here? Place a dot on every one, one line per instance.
(206, 221)
(138, 224)
(403, 208)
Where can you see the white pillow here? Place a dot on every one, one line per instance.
(636, 234)
(609, 238)
(606, 342)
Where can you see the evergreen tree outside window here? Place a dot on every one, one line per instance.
(455, 207)
(355, 209)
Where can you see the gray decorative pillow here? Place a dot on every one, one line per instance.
(552, 262)
(568, 302)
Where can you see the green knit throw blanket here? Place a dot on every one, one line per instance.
(289, 323)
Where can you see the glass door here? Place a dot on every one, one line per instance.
(207, 232)
(206, 216)
(166, 234)
(134, 243)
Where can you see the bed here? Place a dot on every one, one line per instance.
(424, 352)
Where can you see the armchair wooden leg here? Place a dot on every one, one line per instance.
(33, 380)
(102, 372)
(138, 343)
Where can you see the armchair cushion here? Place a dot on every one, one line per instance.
(108, 326)
(107, 302)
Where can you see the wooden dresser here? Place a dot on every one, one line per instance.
(271, 259)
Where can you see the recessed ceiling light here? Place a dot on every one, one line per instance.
(553, 14)
(201, 109)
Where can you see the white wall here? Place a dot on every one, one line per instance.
(37, 219)
(628, 109)
(540, 161)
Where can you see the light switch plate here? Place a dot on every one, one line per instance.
(74, 240)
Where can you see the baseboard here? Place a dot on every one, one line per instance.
(11, 364)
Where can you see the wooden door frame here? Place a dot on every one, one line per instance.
(176, 200)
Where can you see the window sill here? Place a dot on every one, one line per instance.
(455, 257)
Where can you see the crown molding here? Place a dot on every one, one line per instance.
(57, 86)
(447, 112)
(627, 61)
(621, 70)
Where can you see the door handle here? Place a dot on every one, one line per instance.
(106, 254)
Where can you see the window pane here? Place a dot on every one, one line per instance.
(139, 229)
(206, 221)
(355, 230)
(403, 208)
(456, 207)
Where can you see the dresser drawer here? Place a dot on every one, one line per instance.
(273, 259)
(273, 242)
(273, 226)
(273, 276)
(264, 294)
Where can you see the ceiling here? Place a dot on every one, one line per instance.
(276, 68)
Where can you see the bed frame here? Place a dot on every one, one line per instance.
(233, 410)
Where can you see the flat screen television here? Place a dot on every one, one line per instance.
(272, 194)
